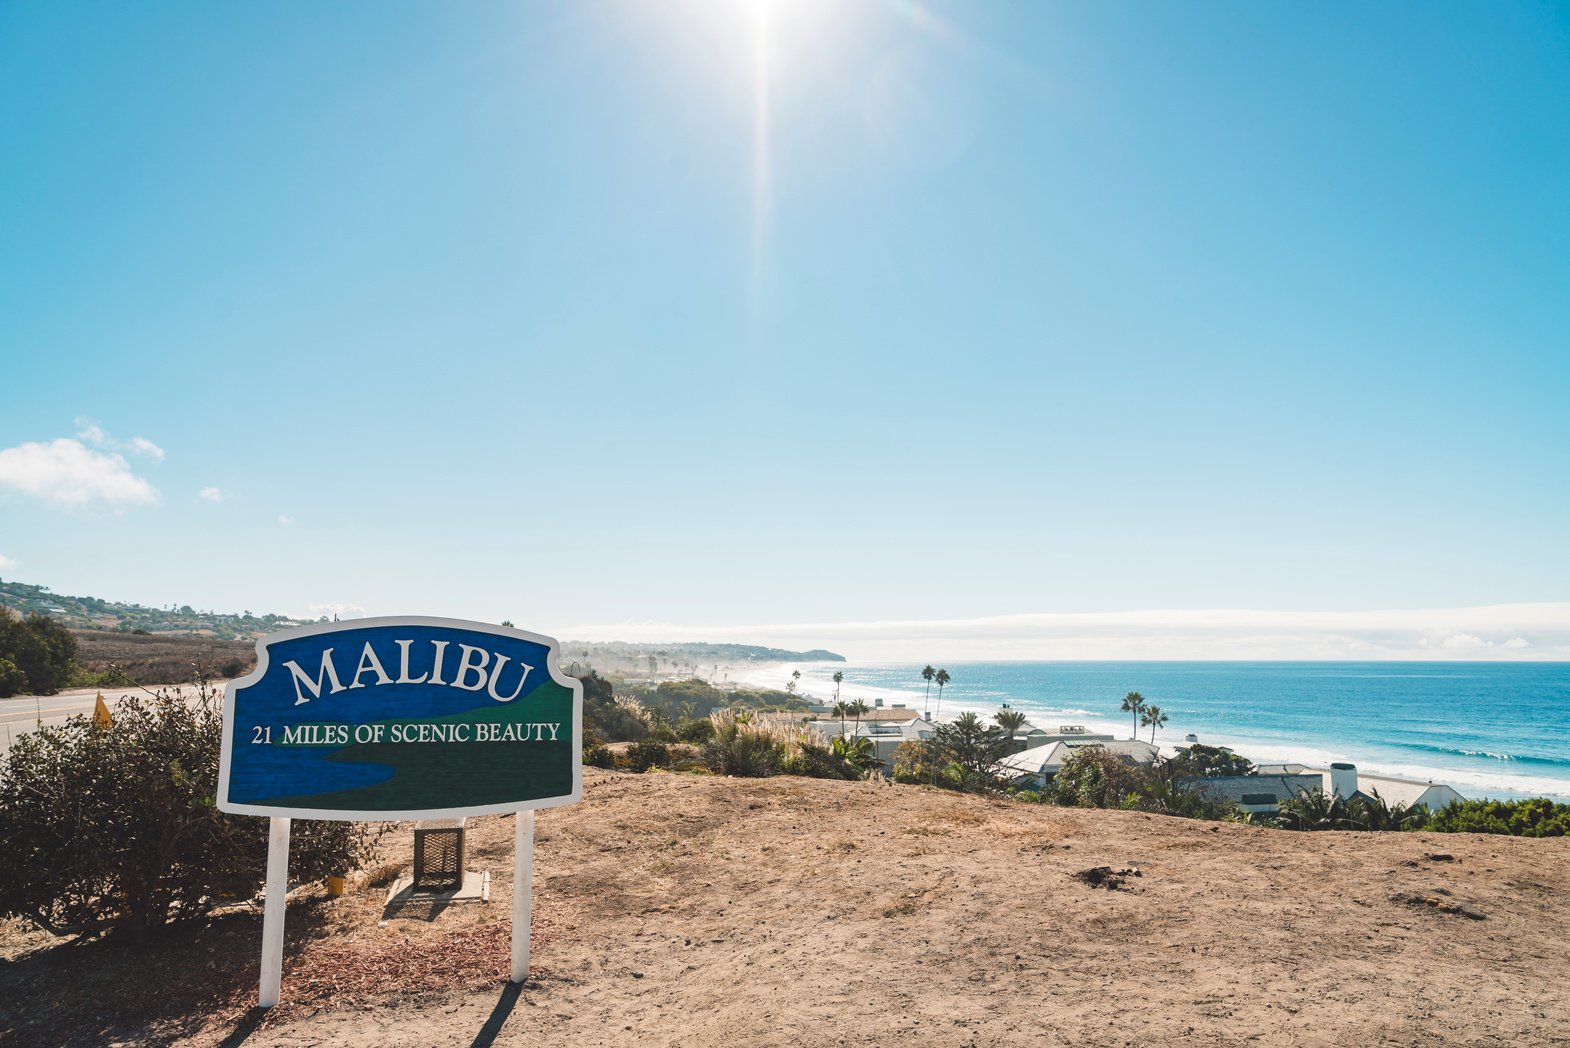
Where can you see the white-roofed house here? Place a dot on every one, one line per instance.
(1036, 767)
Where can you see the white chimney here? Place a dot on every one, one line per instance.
(1341, 780)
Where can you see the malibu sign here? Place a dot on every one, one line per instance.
(401, 718)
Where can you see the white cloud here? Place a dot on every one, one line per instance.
(211, 494)
(67, 472)
(1436, 633)
(7, 562)
(143, 446)
(285, 521)
(341, 611)
(1517, 642)
(94, 434)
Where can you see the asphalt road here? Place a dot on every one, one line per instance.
(21, 713)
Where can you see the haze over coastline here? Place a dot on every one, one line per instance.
(1504, 632)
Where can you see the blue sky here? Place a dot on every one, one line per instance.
(724, 313)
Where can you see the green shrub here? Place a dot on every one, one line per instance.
(913, 763)
(641, 756)
(1533, 817)
(12, 679)
(969, 751)
(599, 757)
(115, 828)
(737, 750)
(819, 762)
(697, 731)
(1198, 761)
(41, 654)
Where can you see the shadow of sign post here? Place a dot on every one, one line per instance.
(400, 718)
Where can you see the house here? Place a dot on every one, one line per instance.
(1035, 768)
(1263, 792)
(887, 728)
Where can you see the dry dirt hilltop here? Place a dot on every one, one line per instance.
(690, 910)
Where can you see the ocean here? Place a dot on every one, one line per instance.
(1488, 729)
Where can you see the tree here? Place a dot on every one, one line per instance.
(37, 650)
(857, 708)
(841, 710)
(942, 677)
(1317, 810)
(1010, 721)
(1197, 761)
(838, 677)
(927, 673)
(859, 753)
(1095, 777)
(1134, 703)
(790, 685)
(1153, 718)
(974, 747)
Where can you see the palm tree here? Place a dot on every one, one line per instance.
(1153, 718)
(1010, 721)
(838, 676)
(858, 707)
(790, 685)
(1134, 703)
(942, 677)
(841, 710)
(927, 674)
(860, 754)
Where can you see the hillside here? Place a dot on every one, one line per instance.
(94, 613)
(701, 911)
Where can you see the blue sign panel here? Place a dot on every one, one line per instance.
(401, 718)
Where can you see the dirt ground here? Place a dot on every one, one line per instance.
(161, 658)
(689, 910)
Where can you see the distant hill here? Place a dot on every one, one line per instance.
(698, 652)
(92, 613)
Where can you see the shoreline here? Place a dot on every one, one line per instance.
(1314, 752)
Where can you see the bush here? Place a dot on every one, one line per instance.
(819, 762)
(738, 750)
(641, 756)
(12, 679)
(1533, 817)
(115, 828)
(1198, 761)
(599, 757)
(697, 731)
(37, 654)
(968, 751)
(1095, 777)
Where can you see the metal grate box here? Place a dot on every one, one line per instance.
(438, 853)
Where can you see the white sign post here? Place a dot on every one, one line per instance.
(273, 910)
(522, 892)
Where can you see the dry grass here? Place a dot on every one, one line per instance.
(158, 659)
(703, 912)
